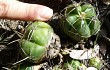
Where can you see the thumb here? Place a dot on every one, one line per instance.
(23, 11)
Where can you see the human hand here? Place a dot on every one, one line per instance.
(12, 9)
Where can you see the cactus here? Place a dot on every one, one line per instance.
(36, 40)
(80, 21)
(95, 62)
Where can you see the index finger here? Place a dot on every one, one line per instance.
(24, 11)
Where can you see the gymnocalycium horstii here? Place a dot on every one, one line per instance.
(80, 21)
(39, 42)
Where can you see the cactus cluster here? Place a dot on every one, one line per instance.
(79, 21)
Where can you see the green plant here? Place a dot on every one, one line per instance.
(80, 21)
(95, 62)
(36, 40)
(75, 64)
(72, 65)
(56, 67)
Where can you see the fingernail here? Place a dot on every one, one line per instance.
(44, 13)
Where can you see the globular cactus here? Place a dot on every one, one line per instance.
(80, 21)
(95, 62)
(37, 41)
(74, 65)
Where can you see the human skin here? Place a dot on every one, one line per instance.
(12, 9)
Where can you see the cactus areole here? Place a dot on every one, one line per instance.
(36, 40)
(80, 21)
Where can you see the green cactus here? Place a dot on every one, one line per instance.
(80, 21)
(95, 62)
(72, 65)
(36, 41)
